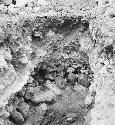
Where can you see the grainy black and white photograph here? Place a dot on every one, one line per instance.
(57, 62)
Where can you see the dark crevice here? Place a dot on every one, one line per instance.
(39, 75)
(77, 70)
(109, 50)
(14, 2)
(15, 121)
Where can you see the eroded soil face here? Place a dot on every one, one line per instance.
(59, 83)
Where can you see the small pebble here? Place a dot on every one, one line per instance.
(7, 55)
(24, 60)
(106, 62)
(76, 86)
(100, 60)
(50, 33)
(50, 76)
(74, 66)
(71, 78)
(88, 100)
(69, 119)
(31, 89)
(28, 94)
(83, 80)
(43, 106)
(70, 69)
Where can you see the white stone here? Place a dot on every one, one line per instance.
(23, 13)
(103, 71)
(24, 60)
(44, 96)
(50, 33)
(7, 55)
(69, 119)
(70, 69)
(43, 106)
(41, 52)
(3, 63)
(88, 100)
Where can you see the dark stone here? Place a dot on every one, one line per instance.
(71, 78)
(14, 2)
(16, 117)
(83, 80)
(39, 75)
(28, 95)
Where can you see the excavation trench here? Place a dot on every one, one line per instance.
(52, 50)
(57, 62)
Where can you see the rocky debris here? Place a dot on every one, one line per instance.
(37, 46)
(24, 109)
(16, 117)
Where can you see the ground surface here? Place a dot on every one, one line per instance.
(57, 62)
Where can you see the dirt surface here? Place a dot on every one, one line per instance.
(57, 62)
